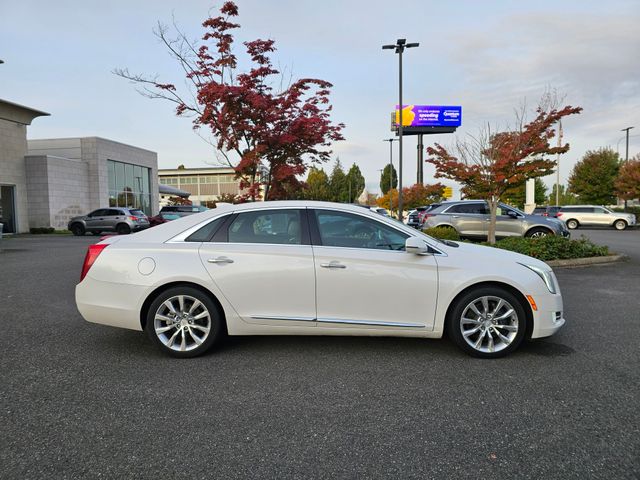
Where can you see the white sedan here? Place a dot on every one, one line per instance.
(313, 268)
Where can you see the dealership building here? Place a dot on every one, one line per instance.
(45, 182)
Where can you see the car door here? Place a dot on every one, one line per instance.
(262, 262)
(507, 225)
(601, 216)
(95, 220)
(365, 279)
(470, 218)
(112, 217)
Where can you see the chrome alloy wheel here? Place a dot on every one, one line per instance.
(489, 324)
(182, 323)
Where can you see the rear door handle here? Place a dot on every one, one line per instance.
(220, 260)
(333, 264)
(455, 216)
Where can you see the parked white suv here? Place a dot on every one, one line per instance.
(595, 216)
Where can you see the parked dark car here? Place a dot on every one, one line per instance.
(113, 219)
(550, 211)
(183, 210)
(417, 217)
(163, 217)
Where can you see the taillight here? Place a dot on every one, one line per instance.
(559, 214)
(134, 219)
(92, 254)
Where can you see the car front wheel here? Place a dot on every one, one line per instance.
(620, 224)
(487, 322)
(77, 229)
(538, 233)
(183, 322)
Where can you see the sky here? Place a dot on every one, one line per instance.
(491, 57)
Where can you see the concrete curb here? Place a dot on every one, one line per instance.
(585, 262)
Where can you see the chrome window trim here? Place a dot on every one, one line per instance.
(291, 319)
(373, 323)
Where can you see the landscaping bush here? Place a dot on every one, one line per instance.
(443, 233)
(630, 209)
(39, 230)
(552, 247)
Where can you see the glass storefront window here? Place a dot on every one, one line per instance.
(129, 185)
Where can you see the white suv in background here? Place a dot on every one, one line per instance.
(595, 216)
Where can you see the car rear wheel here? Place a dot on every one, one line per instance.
(538, 233)
(77, 229)
(183, 322)
(487, 322)
(123, 229)
(620, 224)
(572, 224)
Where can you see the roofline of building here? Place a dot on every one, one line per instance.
(14, 112)
(92, 137)
(191, 171)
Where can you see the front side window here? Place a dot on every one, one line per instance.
(341, 229)
(267, 226)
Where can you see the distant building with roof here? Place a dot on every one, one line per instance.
(205, 185)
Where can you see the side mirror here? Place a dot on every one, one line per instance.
(512, 214)
(416, 246)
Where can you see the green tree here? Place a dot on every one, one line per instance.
(354, 183)
(564, 198)
(592, 178)
(388, 179)
(517, 196)
(317, 187)
(337, 183)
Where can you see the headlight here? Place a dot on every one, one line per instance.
(545, 275)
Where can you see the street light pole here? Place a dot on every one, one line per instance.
(626, 157)
(399, 47)
(390, 140)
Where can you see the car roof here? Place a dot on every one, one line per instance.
(168, 230)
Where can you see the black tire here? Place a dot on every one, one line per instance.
(455, 322)
(572, 224)
(192, 348)
(619, 224)
(77, 229)
(538, 232)
(123, 229)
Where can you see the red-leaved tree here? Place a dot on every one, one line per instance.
(490, 163)
(627, 184)
(269, 135)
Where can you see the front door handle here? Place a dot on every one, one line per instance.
(333, 264)
(455, 216)
(220, 260)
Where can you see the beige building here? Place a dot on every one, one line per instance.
(14, 211)
(204, 184)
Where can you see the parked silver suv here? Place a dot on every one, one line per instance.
(114, 219)
(470, 218)
(594, 216)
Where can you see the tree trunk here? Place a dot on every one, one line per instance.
(493, 208)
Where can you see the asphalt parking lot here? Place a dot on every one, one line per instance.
(83, 400)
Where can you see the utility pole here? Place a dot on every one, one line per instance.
(626, 157)
(399, 47)
(558, 164)
(420, 169)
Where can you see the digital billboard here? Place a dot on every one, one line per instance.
(430, 116)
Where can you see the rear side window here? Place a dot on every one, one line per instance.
(207, 232)
(267, 226)
(473, 208)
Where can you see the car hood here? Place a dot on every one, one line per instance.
(491, 256)
(79, 217)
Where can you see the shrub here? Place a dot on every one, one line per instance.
(443, 233)
(39, 230)
(552, 247)
(630, 209)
